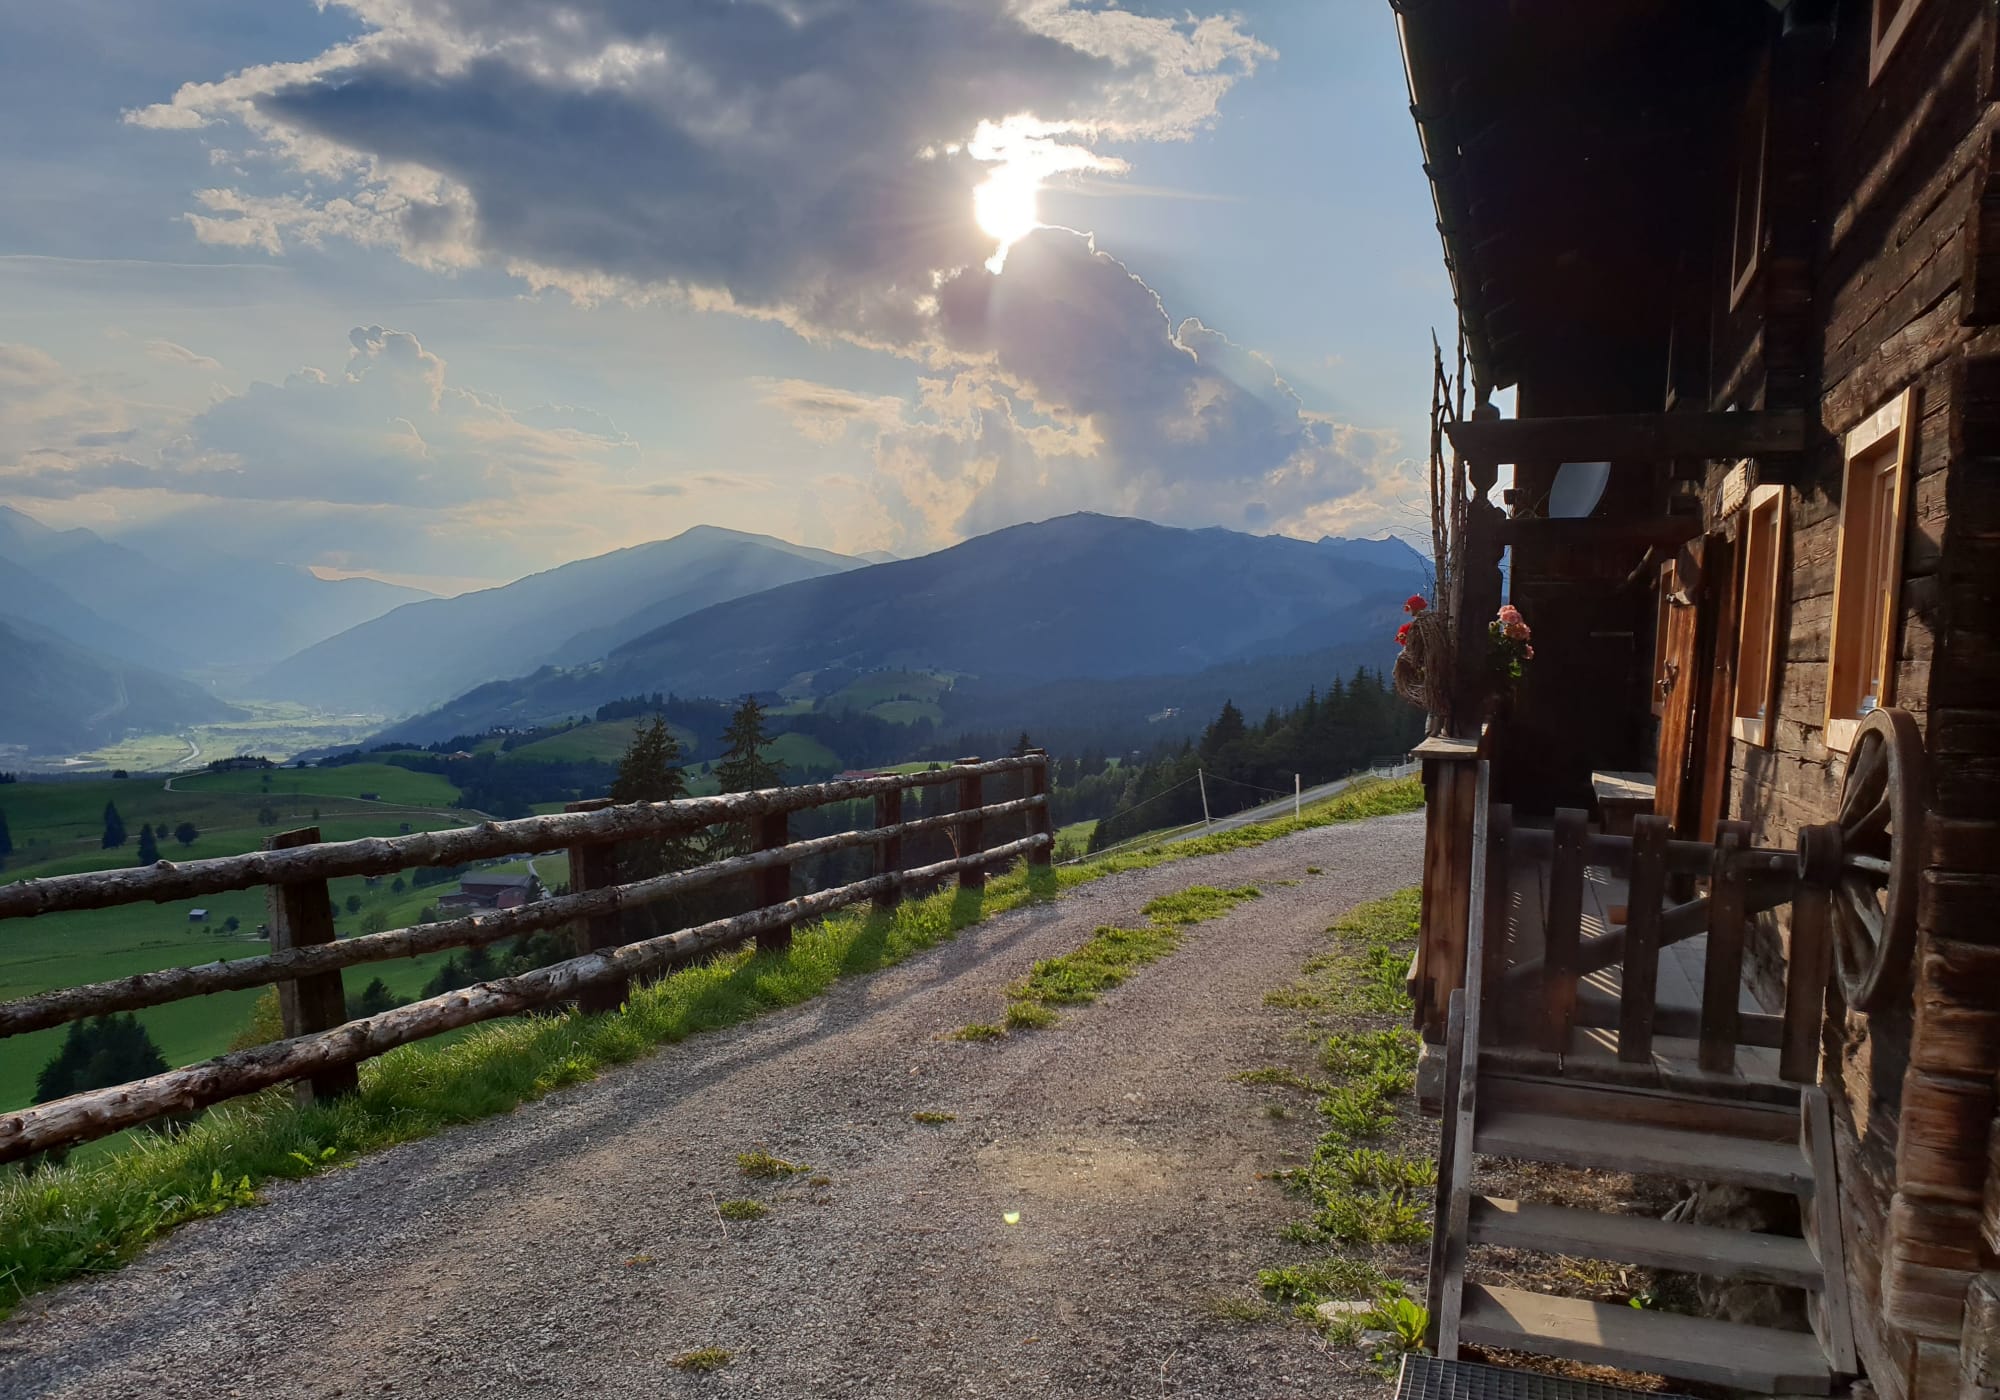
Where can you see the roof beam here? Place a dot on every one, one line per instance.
(1619, 437)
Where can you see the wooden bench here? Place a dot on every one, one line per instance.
(1621, 797)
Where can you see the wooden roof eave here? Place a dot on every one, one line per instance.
(1438, 139)
(1629, 437)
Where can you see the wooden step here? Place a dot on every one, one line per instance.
(1640, 1239)
(1641, 1339)
(1643, 1150)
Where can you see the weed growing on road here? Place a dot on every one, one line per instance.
(1226, 1309)
(1319, 1281)
(1284, 1076)
(742, 1210)
(704, 1359)
(1107, 958)
(978, 1031)
(1364, 970)
(925, 1115)
(1029, 1016)
(763, 1166)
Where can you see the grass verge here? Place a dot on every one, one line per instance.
(91, 1216)
(1367, 1203)
(1105, 959)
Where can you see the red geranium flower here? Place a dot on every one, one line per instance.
(1416, 604)
(1403, 635)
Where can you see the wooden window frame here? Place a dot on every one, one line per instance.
(1754, 719)
(1756, 129)
(1883, 38)
(1890, 429)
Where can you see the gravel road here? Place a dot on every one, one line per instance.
(573, 1248)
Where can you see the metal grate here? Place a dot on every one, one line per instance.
(1427, 1378)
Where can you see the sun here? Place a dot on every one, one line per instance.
(1006, 207)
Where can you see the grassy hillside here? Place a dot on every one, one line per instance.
(388, 783)
(57, 829)
(603, 741)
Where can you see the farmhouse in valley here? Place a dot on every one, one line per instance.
(493, 892)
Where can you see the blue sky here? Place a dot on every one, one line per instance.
(452, 290)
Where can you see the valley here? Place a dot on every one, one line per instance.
(1104, 639)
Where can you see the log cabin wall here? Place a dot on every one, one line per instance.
(1879, 267)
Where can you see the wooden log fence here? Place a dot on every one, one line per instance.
(322, 1048)
(170, 881)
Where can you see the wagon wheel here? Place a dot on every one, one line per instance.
(1874, 885)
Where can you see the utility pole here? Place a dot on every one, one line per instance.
(1202, 778)
(1295, 797)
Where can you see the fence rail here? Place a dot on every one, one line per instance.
(322, 1046)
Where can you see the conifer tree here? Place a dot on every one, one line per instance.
(114, 827)
(743, 767)
(149, 845)
(650, 772)
(6, 838)
(97, 1054)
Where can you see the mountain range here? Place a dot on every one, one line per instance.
(424, 653)
(97, 638)
(1079, 597)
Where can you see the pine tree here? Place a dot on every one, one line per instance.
(743, 767)
(97, 1054)
(650, 772)
(149, 845)
(6, 839)
(114, 827)
(375, 998)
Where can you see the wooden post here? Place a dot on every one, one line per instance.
(1722, 976)
(1499, 900)
(1644, 894)
(1979, 1342)
(889, 854)
(1806, 972)
(1479, 587)
(1565, 929)
(302, 917)
(594, 867)
(1036, 783)
(972, 834)
(774, 883)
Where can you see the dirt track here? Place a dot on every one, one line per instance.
(573, 1248)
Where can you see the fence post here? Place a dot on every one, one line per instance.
(972, 834)
(774, 883)
(1040, 823)
(302, 917)
(889, 853)
(595, 867)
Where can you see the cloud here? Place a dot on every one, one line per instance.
(814, 163)
(806, 160)
(386, 433)
(174, 354)
(1081, 393)
(824, 413)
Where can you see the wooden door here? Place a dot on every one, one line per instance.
(1718, 622)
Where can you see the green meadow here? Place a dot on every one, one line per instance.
(57, 829)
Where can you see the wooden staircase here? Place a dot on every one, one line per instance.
(1634, 1112)
(1683, 1137)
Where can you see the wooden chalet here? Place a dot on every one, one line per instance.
(1714, 893)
